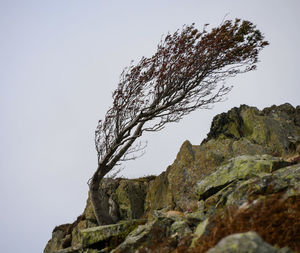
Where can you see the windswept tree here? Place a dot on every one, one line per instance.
(187, 72)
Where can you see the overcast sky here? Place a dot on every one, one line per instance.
(60, 60)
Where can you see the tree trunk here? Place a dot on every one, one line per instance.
(99, 200)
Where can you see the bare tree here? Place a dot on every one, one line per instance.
(186, 73)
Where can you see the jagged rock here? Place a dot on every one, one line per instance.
(158, 196)
(58, 238)
(146, 238)
(237, 169)
(68, 236)
(146, 235)
(102, 236)
(265, 201)
(127, 194)
(276, 127)
(249, 242)
(240, 131)
(130, 198)
(240, 192)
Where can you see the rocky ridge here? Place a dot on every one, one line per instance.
(245, 176)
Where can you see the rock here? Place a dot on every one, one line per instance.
(76, 235)
(180, 229)
(102, 235)
(285, 180)
(199, 231)
(146, 235)
(276, 127)
(158, 196)
(249, 242)
(237, 169)
(131, 199)
(268, 204)
(241, 131)
(128, 196)
(58, 239)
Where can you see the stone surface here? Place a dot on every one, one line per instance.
(240, 192)
(237, 169)
(146, 235)
(127, 194)
(130, 198)
(245, 243)
(199, 231)
(58, 238)
(96, 235)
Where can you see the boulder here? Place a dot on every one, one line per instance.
(108, 235)
(59, 238)
(145, 236)
(249, 242)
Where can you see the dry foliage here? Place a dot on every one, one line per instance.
(276, 220)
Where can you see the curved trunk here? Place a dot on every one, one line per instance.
(99, 200)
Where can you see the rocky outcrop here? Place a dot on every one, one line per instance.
(245, 176)
(126, 198)
(240, 131)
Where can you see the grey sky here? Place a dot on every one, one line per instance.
(59, 63)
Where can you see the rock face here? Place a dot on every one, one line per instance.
(245, 176)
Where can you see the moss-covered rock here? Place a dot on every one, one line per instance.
(276, 128)
(245, 243)
(128, 196)
(59, 238)
(241, 131)
(237, 169)
(240, 192)
(146, 235)
(102, 236)
(267, 203)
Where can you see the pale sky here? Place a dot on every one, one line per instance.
(60, 60)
